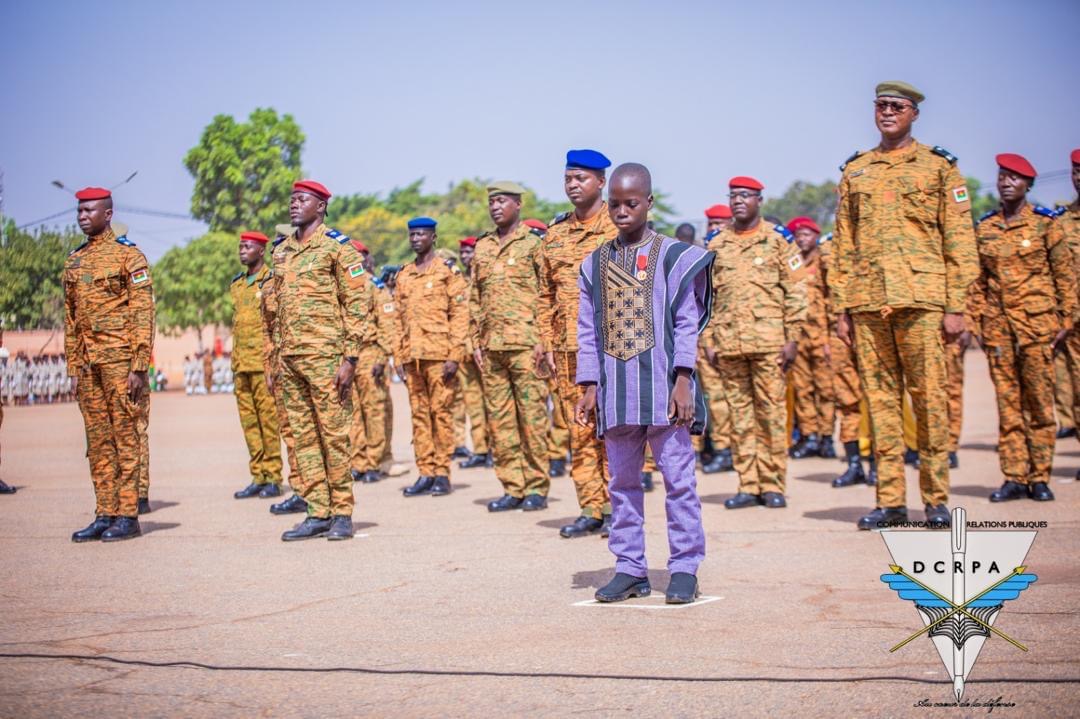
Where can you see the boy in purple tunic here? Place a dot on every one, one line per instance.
(645, 298)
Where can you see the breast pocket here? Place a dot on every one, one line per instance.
(918, 201)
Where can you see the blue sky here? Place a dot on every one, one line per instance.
(390, 92)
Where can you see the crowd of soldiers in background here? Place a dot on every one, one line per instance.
(34, 380)
(208, 372)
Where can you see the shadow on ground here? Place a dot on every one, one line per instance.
(151, 527)
(847, 515)
(826, 477)
(597, 578)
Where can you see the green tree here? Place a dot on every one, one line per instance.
(817, 201)
(191, 283)
(31, 276)
(981, 202)
(244, 171)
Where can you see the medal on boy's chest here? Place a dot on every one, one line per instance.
(642, 263)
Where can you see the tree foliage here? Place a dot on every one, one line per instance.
(801, 198)
(244, 171)
(191, 283)
(981, 202)
(31, 276)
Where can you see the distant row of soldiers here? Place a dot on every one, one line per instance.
(39, 380)
(208, 374)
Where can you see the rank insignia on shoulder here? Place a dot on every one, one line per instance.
(848, 161)
(562, 216)
(78, 248)
(140, 276)
(827, 237)
(237, 276)
(939, 150)
(356, 270)
(988, 215)
(784, 232)
(795, 262)
(123, 240)
(341, 237)
(1044, 211)
(856, 173)
(960, 194)
(538, 233)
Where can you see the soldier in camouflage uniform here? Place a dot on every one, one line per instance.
(324, 320)
(1063, 393)
(571, 237)
(760, 308)
(108, 339)
(472, 392)
(1025, 304)
(258, 416)
(904, 255)
(502, 311)
(1069, 221)
(718, 218)
(4, 372)
(429, 349)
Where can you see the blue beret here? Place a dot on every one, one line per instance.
(587, 159)
(421, 223)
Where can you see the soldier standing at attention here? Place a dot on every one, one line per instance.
(1025, 301)
(258, 417)
(108, 338)
(717, 219)
(1069, 220)
(573, 236)
(324, 320)
(502, 310)
(811, 374)
(4, 488)
(760, 308)
(904, 252)
(472, 391)
(429, 348)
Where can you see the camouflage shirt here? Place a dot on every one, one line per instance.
(504, 291)
(1069, 220)
(759, 300)
(247, 350)
(567, 243)
(432, 305)
(324, 301)
(904, 234)
(386, 322)
(108, 304)
(1027, 287)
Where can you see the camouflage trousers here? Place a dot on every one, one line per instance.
(812, 385)
(515, 398)
(472, 404)
(431, 400)
(319, 422)
(286, 433)
(903, 350)
(112, 437)
(258, 419)
(954, 371)
(369, 441)
(142, 426)
(719, 426)
(754, 387)
(1072, 357)
(558, 437)
(1063, 387)
(846, 388)
(1024, 383)
(588, 465)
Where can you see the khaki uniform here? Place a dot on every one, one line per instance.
(272, 371)
(108, 333)
(1024, 296)
(758, 306)
(1063, 388)
(812, 374)
(954, 377)
(434, 317)
(142, 426)
(325, 313)
(1069, 222)
(712, 385)
(567, 244)
(369, 435)
(503, 324)
(904, 254)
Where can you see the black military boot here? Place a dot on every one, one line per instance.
(827, 449)
(6, 488)
(773, 500)
(341, 527)
(373, 475)
(741, 500)
(440, 487)
(421, 486)
(292, 505)
(1009, 491)
(881, 518)
(682, 589)
(582, 526)
(310, 528)
(647, 482)
(854, 473)
(911, 457)
(252, 490)
(938, 517)
(534, 502)
(1040, 492)
(954, 461)
(605, 529)
(144, 505)
(460, 453)
(122, 528)
(477, 460)
(556, 468)
(504, 504)
(807, 447)
(357, 475)
(95, 530)
(721, 462)
(1064, 432)
(871, 474)
(623, 586)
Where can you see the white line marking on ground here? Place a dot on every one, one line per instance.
(653, 601)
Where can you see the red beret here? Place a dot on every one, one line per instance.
(360, 246)
(468, 242)
(92, 193)
(254, 237)
(535, 224)
(747, 182)
(718, 212)
(1075, 157)
(1016, 163)
(798, 223)
(315, 188)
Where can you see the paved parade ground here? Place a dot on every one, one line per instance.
(438, 608)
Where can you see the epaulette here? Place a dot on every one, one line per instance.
(537, 232)
(378, 282)
(848, 161)
(78, 248)
(827, 237)
(482, 235)
(279, 240)
(1060, 210)
(1045, 211)
(939, 150)
(987, 216)
(561, 217)
(709, 235)
(237, 276)
(341, 237)
(450, 262)
(123, 240)
(784, 232)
